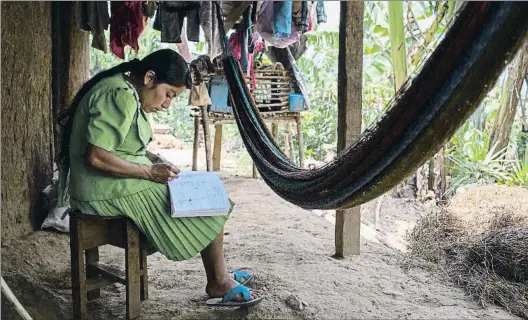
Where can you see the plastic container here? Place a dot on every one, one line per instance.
(296, 102)
(219, 94)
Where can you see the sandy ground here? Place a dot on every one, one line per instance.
(289, 248)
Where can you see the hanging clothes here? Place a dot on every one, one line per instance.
(183, 47)
(208, 21)
(282, 19)
(266, 24)
(244, 29)
(321, 13)
(257, 47)
(170, 17)
(235, 45)
(310, 19)
(126, 25)
(301, 16)
(149, 8)
(93, 17)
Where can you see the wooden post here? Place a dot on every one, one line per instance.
(300, 140)
(217, 148)
(70, 58)
(78, 271)
(196, 143)
(143, 282)
(275, 130)
(132, 265)
(207, 138)
(350, 75)
(92, 255)
(255, 172)
(287, 139)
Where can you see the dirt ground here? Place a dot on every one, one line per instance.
(291, 252)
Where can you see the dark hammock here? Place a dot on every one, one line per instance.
(426, 112)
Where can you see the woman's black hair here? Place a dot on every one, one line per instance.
(169, 67)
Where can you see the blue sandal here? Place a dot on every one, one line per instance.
(245, 273)
(229, 299)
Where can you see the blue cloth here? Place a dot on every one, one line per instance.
(321, 12)
(282, 19)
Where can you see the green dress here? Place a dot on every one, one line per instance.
(110, 117)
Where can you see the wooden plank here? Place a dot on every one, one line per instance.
(195, 143)
(236, 12)
(266, 94)
(97, 283)
(92, 256)
(133, 297)
(255, 172)
(279, 78)
(300, 141)
(77, 271)
(108, 272)
(287, 139)
(275, 83)
(143, 282)
(270, 105)
(207, 138)
(350, 70)
(275, 131)
(217, 148)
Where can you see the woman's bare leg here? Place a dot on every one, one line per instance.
(219, 281)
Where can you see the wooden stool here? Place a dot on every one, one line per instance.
(87, 233)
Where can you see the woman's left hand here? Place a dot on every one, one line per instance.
(174, 168)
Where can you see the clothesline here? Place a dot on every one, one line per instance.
(261, 24)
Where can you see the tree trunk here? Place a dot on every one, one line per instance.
(71, 58)
(350, 76)
(429, 35)
(500, 133)
(26, 163)
(523, 137)
(397, 39)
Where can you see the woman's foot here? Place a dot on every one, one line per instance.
(220, 289)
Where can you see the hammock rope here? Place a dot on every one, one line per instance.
(425, 113)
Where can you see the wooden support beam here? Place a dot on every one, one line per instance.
(196, 143)
(287, 139)
(235, 14)
(217, 148)
(350, 75)
(70, 58)
(300, 140)
(207, 138)
(275, 130)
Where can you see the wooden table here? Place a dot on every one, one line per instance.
(218, 119)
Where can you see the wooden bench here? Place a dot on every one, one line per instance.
(87, 233)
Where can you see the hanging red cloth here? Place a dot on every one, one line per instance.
(126, 25)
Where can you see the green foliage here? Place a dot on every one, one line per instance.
(518, 175)
(319, 68)
(473, 161)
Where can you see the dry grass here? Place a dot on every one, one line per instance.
(491, 264)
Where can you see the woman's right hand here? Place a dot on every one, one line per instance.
(161, 173)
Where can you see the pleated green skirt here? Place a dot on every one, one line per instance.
(176, 238)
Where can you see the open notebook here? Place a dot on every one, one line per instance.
(196, 194)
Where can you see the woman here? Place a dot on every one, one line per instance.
(103, 145)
